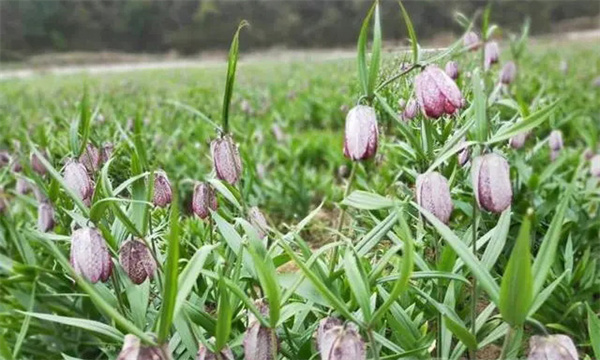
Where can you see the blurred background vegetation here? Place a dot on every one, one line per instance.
(185, 27)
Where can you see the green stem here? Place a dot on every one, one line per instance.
(340, 220)
(373, 344)
(507, 341)
(397, 76)
(472, 354)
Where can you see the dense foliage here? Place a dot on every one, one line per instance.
(345, 239)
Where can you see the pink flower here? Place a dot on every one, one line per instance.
(433, 194)
(226, 159)
(137, 261)
(162, 189)
(437, 93)
(361, 133)
(204, 200)
(89, 255)
(508, 73)
(491, 182)
(451, 69)
(491, 54)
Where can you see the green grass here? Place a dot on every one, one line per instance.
(307, 100)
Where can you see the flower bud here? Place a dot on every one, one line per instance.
(410, 111)
(78, 180)
(36, 164)
(491, 54)
(226, 159)
(162, 189)
(45, 217)
(89, 256)
(555, 140)
(595, 166)
(552, 347)
(361, 133)
(322, 338)
(204, 200)
(437, 93)
(134, 350)
(260, 342)
(518, 141)
(22, 186)
(508, 73)
(452, 69)
(106, 152)
(91, 158)
(491, 182)
(17, 167)
(338, 342)
(465, 154)
(471, 41)
(433, 194)
(137, 261)
(4, 158)
(258, 221)
(205, 354)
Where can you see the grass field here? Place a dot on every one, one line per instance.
(311, 265)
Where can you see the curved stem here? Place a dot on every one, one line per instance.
(396, 77)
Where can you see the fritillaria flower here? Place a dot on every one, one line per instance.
(552, 347)
(205, 354)
(204, 199)
(91, 158)
(260, 342)
(5, 158)
(226, 159)
(106, 152)
(78, 180)
(433, 194)
(162, 189)
(137, 261)
(410, 111)
(437, 93)
(465, 154)
(258, 221)
(471, 41)
(518, 141)
(452, 69)
(491, 182)
(555, 140)
(595, 165)
(508, 73)
(36, 164)
(491, 54)
(45, 220)
(22, 186)
(89, 255)
(134, 350)
(338, 342)
(361, 133)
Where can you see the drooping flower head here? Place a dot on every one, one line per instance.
(36, 163)
(452, 69)
(204, 199)
(411, 109)
(226, 159)
(463, 155)
(258, 221)
(471, 41)
(89, 255)
(260, 342)
(162, 189)
(433, 194)
(134, 350)
(91, 158)
(437, 93)
(137, 261)
(78, 180)
(45, 217)
(595, 165)
(552, 347)
(518, 141)
(508, 73)
(491, 54)
(361, 133)
(491, 182)
(338, 342)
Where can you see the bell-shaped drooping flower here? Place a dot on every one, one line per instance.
(518, 141)
(258, 221)
(22, 186)
(45, 221)
(322, 338)
(463, 155)
(36, 164)
(491, 54)
(205, 354)
(89, 255)
(162, 189)
(508, 73)
(595, 165)
(106, 152)
(226, 159)
(411, 109)
(91, 158)
(5, 158)
(134, 350)
(555, 140)
(260, 342)
(552, 347)
(137, 261)
(491, 182)
(433, 194)
(452, 69)
(437, 93)
(471, 41)
(339, 342)
(204, 199)
(361, 133)
(78, 180)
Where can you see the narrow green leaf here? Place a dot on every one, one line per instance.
(171, 272)
(357, 283)
(85, 324)
(266, 273)
(231, 68)
(189, 275)
(362, 52)
(376, 52)
(225, 312)
(594, 330)
(479, 104)
(411, 34)
(461, 332)
(516, 292)
(367, 201)
(528, 123)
